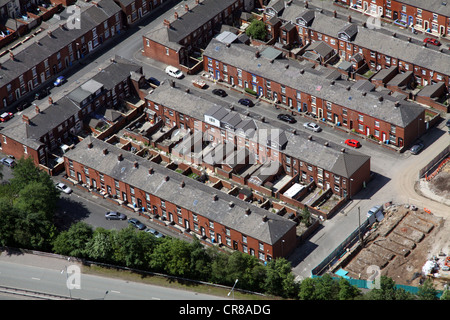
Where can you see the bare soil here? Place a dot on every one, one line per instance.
(401, 244)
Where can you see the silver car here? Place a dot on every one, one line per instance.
(312, 126)
(113, 215)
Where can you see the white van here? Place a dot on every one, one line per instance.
(174, 72)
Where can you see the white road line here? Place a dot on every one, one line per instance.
(35, 278)
(115, 291)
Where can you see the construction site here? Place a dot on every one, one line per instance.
(407, 243)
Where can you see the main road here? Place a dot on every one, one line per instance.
(58, 276)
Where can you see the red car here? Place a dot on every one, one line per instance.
(352, 143)
(432, 41)
(6, 116)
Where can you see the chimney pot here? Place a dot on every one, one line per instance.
(136, 164)
(37, 110)
(186, 7)
(182, 184)
(120, 157)
(231, 204)
(167, 178)
(264, 218)
(150, 171)
(215, 197)
(343, 150)
(247, 211)
(105, 151)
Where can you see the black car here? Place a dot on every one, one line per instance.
(154, 81)
(246, 102)
(219, 92)
(286, 118)
(42, 94)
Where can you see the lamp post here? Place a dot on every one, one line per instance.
(232, 289)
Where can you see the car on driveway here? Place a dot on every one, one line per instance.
(312, 126)
(155, 233)
(353, 143)
(136, 223)
(415, 149)
(114, 215)
(59, 81)
(246, 102)
(219, 92)
(286, 118)
(432, 41)
(8, 162)
(63, 188)
(5, 116)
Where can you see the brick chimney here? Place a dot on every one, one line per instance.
(50, 100)
(36, 108)
(11, 55)
(25, 119)
(167, 23)
(120, 157)
(186, 8)
(175, 15)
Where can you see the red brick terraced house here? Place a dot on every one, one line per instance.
(320, 92)
(38, 131)
(432, 16)
(33, 67)
(378, 50)
(188, 204)
(342, 170)
(134, 10)
(190, 31)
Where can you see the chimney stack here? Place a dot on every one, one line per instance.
(25, 119)
(150, 171)
(50, 100)
(264, 218)
(11, 55)
(166, 178)
(36, 108)
(175, 15)
(90, 145)
(186, 8)
(247, 211)
(166, 23)
(136, 164)
(215, 197)
(349, 18)
(120, 157)
(105, 151)
(182, 184)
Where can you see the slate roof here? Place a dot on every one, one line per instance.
(188, 22)
(295, 145)
(194, 196)
(64, 108)
(60, 38)
(313, 82)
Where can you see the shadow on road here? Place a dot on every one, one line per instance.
(69, 212)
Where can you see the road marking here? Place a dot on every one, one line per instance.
(156, 298)
(35, 278)
(115, 291)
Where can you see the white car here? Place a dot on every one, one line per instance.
(312, 126)
(174, 72)
(62, 187)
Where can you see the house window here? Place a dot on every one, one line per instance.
(167, 51)
(360, 118)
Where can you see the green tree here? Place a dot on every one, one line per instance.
(73, 242)
(307, 289)
(100, 246)
(8, 217)
(279, 278)
(427, 291)
(388, 291)
(257, 30)
(305, 216)
(200, 261)
(445, 295)
(347, 291)
(172, 256)
(128, 249)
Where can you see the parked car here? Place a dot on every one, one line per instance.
(59, 81)
(8, 162)
(432, 41)
(155, 233)
(415, 149)
(312, 126)
(154, 81)
(136, 223)
(42, 93)
(174, 72)
(5, 116)
(353, 143)
(62, 187)
(246, 102)
(286, 118)
(448, 123)
(114, 215)
(219, 92)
